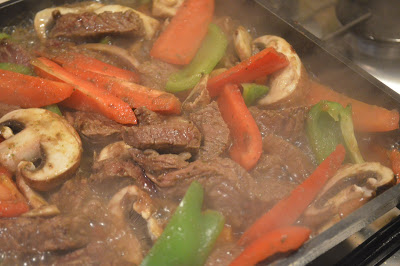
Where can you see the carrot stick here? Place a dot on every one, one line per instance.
(259, 65)
(247, 141)
(279, 240)
(366, 118)
(91, 64)
(87, 96)
(179, 42)
(27, 91)
(133, 94)
(288, 210)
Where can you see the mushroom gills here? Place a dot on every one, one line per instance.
(350, 188)
(46, 137)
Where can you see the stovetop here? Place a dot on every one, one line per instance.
(320, 18)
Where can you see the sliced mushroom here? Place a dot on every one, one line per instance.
(165, 8)
(117, 149)
(44, 18)
(40, 136)
(286, 85)
(40, 207)
(351, 187)
(198, 97)
(142, 204)
(242, 40)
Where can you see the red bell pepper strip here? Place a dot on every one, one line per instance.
(288, 210)
(87, 97)
(12, 202)
(91, 64)
(133, 94)
(395, 159)
(259, 65)
(27, 91)
(279, 240)
(247, 141)
(179, 42)
(366, 117)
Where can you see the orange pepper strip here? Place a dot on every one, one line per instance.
(134, 94)
(366, 117)
(258, 66)
(179, 42)
(87, 96)
(27, 91)
(12, 202)
(279, 240)
(288, 210)
(247, 141)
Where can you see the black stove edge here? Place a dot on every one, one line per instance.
(377, 248)
(336, 54)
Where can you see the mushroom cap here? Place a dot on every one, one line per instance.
(288, 84)
(45, 136)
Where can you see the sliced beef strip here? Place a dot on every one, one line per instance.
(155, 73)
(228, 188)
(147, 117)
(156, 164)
(59, 233)
(90, 24)
(13, 53)
(172, 136)
(297, 163)
(215, 133)
(288, 122)
(96, 253)
(77, 197)
(111, 175)
(95, 128)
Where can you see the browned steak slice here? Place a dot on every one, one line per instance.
(39, 235)
(172, 136)
(287, 123)
(90, 24)
(216, 136)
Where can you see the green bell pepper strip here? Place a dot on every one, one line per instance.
(329, 124)
(252, 92)
(4, 36)
(17, 68)
(53, 108)
(207, 57)
(346, 125)
(189, 236)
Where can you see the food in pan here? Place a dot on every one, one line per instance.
(161, 134)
